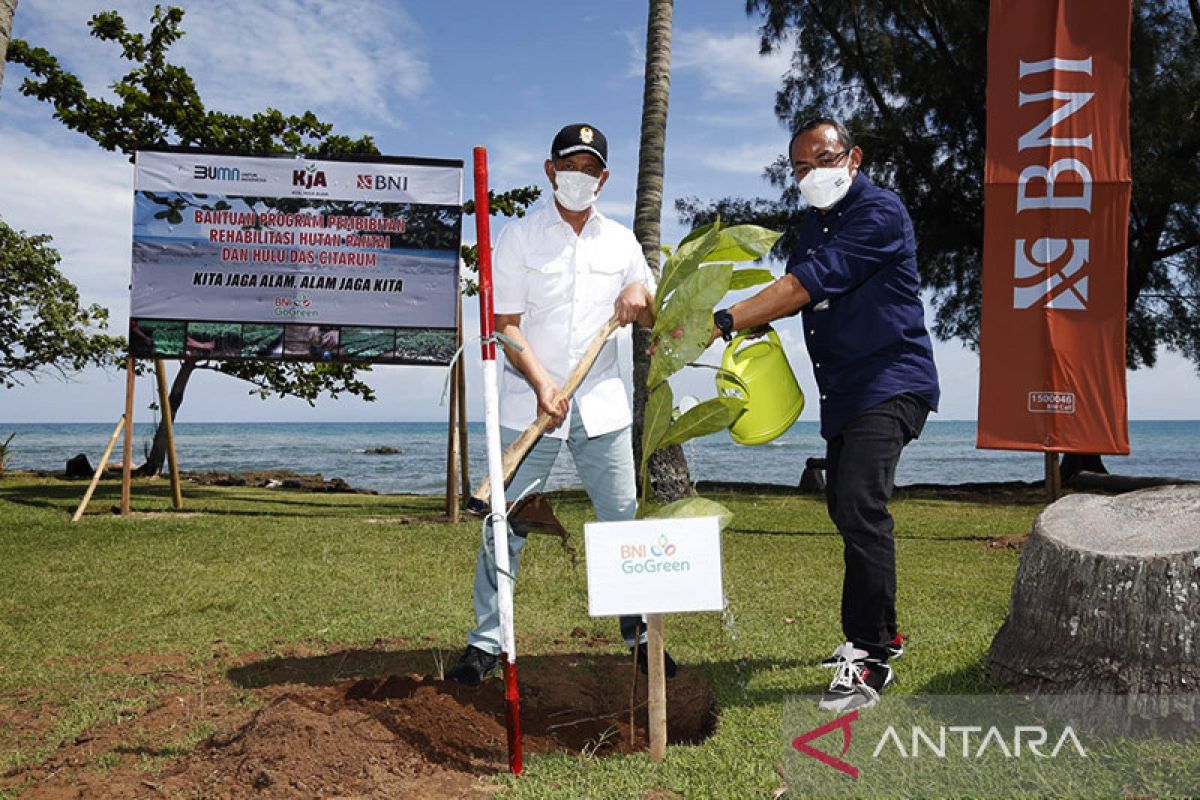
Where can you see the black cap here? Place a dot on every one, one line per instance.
(580, 138)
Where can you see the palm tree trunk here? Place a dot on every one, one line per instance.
(8, 9)
(668, 467)
(158, 450)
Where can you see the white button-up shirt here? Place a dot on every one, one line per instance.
(564, 287)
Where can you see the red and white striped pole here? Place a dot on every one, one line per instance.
(491, 416)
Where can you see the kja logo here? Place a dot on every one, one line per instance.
(309, 177)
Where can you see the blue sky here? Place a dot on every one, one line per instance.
(425, 79)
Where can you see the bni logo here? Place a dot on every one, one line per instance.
(659, 556)
(380, 183)
(1050, 273)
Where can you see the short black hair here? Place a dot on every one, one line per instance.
(843, 134)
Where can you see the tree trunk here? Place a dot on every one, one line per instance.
(158, 450)
(8, 9)
(668, 467)
(1104, 608)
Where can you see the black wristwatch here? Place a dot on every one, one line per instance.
(724, 322)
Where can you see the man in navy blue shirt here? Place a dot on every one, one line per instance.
(853, 274)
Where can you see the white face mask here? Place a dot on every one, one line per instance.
(576, 190)
(824, 186)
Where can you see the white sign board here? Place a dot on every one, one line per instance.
(295, 258)
(654, 566)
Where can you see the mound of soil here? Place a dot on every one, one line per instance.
(399, 736)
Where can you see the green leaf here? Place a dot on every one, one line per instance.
(745, 278)
(690, 309)
(701, 231)
(702, 290)
(743, 243)
(684, 262)
(656, 418)
(162, 214)
(693, 507)
(174, 217)
(710, 416)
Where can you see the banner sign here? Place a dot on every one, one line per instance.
(654, 566)
(293, 258)
(1057, 187)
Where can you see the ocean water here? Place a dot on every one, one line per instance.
(945, 453)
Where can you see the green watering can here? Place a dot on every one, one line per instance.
(760, 374)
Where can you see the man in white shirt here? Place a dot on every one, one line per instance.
(559, 274)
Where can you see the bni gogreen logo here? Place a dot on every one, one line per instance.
(654, 558)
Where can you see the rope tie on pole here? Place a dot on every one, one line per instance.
(495, 338)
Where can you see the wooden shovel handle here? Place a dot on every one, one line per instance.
(481, 497)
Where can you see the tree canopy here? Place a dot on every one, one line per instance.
(908, 77)
(43, 329)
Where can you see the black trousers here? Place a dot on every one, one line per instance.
(860, 475)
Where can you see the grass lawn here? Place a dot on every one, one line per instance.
(268, 571)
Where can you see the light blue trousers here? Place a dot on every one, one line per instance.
(605, 467)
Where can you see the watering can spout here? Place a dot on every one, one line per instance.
(760, 374)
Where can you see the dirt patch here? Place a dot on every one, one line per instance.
(1013, 542)
(297, 727)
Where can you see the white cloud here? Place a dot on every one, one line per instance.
(729, 65)
(82, 197)
(746, 159)
(621, 210)
(358, 58)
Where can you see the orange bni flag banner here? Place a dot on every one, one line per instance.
(1056, 216)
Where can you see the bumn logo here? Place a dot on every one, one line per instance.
(203, 172)
(309, 177)
(1049, 273)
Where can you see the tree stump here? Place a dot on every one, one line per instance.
(1105, 611)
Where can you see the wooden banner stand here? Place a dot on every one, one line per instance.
(456, 447)
(126, 424)
(1053, 478)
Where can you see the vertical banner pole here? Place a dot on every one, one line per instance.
(460, 375)
(127, 459)
(452, 444)
(87, 496)
(1053, 479)
(657, 688)
(499, 512)
(164, 403)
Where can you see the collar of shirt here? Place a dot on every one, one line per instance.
(549, 216)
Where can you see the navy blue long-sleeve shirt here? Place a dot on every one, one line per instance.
(865, 325)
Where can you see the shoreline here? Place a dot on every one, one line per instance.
(1014, 492)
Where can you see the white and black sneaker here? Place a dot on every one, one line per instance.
(857, 682)
(895, 650)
